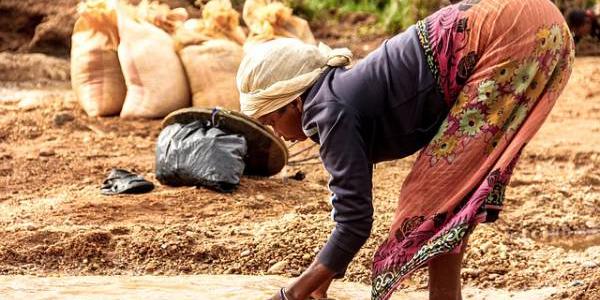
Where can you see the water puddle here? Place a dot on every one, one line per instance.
(578, 241)
(200, 287)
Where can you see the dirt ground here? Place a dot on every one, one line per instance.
(53, 220)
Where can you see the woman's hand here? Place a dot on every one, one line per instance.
(313, 282)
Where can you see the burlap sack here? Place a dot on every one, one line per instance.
(156, 83)
(161, 15)
(211, 69)
(210, 50)
(268, 19)
(96, 75)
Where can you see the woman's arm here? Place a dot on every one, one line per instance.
(344, 155)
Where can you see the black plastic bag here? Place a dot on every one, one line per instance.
(198, 154)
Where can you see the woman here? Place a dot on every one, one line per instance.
(468, 86)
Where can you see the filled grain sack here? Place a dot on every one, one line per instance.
(268, 19)
(211, 51)
(161, 15)
(156, 82)
(96, 75)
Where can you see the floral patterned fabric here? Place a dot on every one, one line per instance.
(501, 65)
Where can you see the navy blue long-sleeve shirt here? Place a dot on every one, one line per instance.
(386, 107)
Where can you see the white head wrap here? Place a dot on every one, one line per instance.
(274, 73)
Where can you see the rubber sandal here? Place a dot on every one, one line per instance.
(121, 181)
(267, 154)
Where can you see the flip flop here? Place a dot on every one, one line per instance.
(267, 154)
(121, 181)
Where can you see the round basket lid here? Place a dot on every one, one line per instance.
(267, 154)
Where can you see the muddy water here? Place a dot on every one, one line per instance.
(225, 287)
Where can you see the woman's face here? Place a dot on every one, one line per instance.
(286, 122)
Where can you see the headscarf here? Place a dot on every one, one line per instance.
(274, 73)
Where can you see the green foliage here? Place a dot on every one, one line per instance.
(392, 15)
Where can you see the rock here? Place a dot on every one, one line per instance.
(47, 152)
(245, 253)
(306, 256)
(28, 104)
(591, 224)
(191, 235)
(62, 118)
(299, 176)
(589, 264)
(277, 268)
(30, 227)
(576, 283)
(503, 255)
(151, 266)
(471, 271)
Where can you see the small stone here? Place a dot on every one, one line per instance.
(245, 253)
(27, 104)
(85, 261)
(545, 234)
(576, 283)
(485, 247)
(471, 271)
(62, 118)
(151, 266)
(260, 197)
(30, 227)
(591, 224)
(503, 255)
(47, 152)
(191, 234)
(306, 256)
(277, 268)
(589, 264)
(299, 176)
(164, 246)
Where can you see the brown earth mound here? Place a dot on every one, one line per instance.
(46, 26)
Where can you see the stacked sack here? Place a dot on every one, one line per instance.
(269, 19)
(96, 75)
(156, 82)
(211, 51)
(123, 64)
(143, 61)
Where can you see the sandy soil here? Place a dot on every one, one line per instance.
(53, 220)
